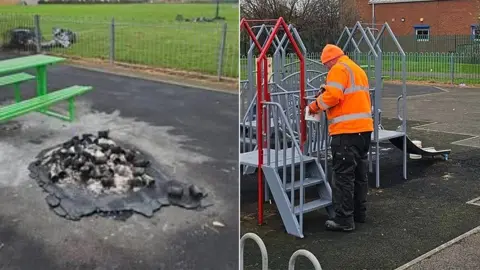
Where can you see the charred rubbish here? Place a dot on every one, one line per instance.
(97, 163)
(26, 39)
(180, 18)
(94, 173)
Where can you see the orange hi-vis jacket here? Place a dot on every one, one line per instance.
(346, 99)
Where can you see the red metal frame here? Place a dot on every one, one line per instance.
(261, 114)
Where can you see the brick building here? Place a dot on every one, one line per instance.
(422, 25)
(423, 17)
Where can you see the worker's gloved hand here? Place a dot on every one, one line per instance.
(322, 89)
(312, 108)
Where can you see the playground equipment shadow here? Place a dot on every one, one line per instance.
(405, 218)
(174, 124)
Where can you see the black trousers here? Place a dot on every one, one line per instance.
(350, 175)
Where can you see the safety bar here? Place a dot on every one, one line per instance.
(398, 108)
(264, 254)
(308, 255)
(260, 244)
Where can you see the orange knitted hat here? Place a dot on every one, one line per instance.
(330, 52)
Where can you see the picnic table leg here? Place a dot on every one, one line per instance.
(71, 108)
(18, 97)
(41, 80)
(42, 83)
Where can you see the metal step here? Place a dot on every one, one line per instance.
(308, 182)
(312, 206)
(293, 220)
(251, 158)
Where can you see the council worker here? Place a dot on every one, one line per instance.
(346, 99)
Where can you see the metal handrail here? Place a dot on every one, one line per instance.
(296, 148)
(287, 124)
(305, 253)
(264, 254)
(398, 108)
(260, 244)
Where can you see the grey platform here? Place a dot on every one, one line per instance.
(251, 158)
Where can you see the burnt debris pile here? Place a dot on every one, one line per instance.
(94, 173)
(27, 39)
(98, 163)
(180, 18)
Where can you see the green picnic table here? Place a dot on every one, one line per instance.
(43, 99)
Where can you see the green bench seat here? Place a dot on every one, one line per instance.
(16, 79)
(41, 103)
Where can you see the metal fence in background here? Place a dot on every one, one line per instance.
(454, 68)
(410, 43)
(440, 43)
(427, 44)
(204, 47)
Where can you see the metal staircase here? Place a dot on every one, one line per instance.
(288, 171)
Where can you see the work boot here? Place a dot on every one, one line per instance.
(332, 225)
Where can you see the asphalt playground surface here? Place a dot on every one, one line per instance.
(405, 218)
(189, 131)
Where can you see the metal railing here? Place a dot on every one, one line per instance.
(207, 48)
(264, 254)
(283, 130)
(410, 43)
(317, 132)
(290, 102)
(314, 41)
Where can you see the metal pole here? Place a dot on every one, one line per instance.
(38, 33)
(373, 15)
(112, 41)
(221, 51)
(452, 68)
(392, 65)
(250, 78)
(218, 9)
(404, 116)
(377, 116)
(259, 141)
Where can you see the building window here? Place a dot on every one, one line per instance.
(476, 32)
(422, 32)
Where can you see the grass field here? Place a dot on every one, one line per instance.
(145, 34)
